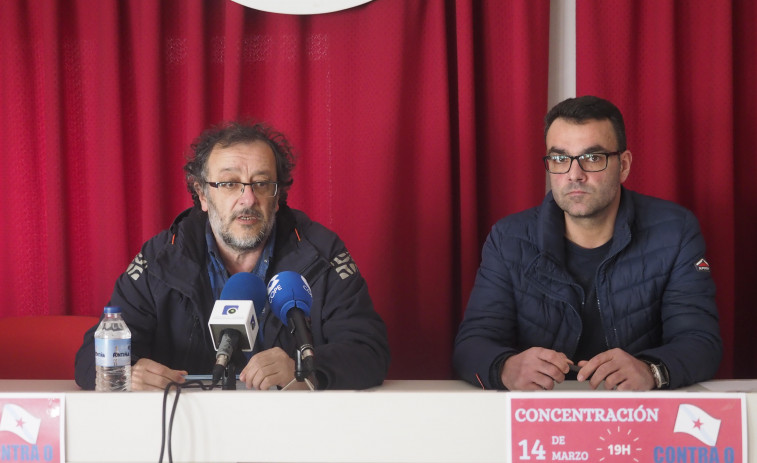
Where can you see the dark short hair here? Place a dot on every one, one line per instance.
(585, 108)
(231, 133)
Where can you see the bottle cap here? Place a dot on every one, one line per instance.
(112, 309)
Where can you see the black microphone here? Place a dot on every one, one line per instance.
(233, 322)
(290, 298)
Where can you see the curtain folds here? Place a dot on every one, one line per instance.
(744, 189)
(415, 124)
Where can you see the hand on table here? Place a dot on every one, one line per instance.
(535, 369)
(270, 368)
(149, 375)
(618, 369)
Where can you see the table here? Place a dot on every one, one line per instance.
(400, 421)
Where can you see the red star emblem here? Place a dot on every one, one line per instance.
(698, 423)
(20, 423)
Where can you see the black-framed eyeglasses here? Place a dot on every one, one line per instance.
(266, 189)
(589, 162)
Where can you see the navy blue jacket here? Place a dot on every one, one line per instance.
(166, 299)
(656, 297)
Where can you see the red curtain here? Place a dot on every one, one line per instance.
(744, 188)
(683, 74)
(417, 125)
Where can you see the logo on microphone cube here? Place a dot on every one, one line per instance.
(230, 309)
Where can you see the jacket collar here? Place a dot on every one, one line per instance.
(286, 236)
(551, 226)
(182, 262)
(188, 233)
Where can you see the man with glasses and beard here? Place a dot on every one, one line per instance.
(239, 175)
(598, 283)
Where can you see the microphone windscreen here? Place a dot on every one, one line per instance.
(287, 290)
(244, 286)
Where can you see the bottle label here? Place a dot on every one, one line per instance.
(112, 352)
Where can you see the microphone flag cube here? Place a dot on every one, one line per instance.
(237, 315)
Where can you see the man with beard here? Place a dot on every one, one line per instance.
(598, 282)
(239, 175)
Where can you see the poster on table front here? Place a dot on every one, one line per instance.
(628, 427)
(31, 427)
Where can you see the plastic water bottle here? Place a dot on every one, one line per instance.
(112, 353)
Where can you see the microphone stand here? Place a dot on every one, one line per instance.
(301, 372)
(229, 378)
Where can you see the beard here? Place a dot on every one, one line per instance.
(249, 241)
(588, 207)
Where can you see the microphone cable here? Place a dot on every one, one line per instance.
(194, 384)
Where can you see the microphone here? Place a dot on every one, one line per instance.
(290, 298)
(233, 323)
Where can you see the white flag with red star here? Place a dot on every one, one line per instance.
(20, 422)
(695, 421)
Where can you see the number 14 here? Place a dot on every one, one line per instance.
(537, 450)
